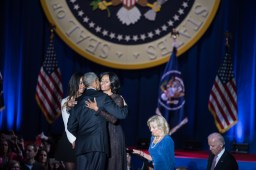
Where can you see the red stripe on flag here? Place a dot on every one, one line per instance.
(54, 85)
(56, 80)
(48, 91)
(212, 108)
(44, 98)
(219, 107)
(232, 114)
(232, 83)
(223, 93)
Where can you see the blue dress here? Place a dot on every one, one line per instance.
(162, 153)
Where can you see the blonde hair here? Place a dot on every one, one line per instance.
(160, 122)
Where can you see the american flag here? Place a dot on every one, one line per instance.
(49, 92)
(223, 97)
(1, 93)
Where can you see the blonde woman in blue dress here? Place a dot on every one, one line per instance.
(161, 148)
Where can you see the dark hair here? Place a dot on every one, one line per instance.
(12, 163)
(73, 84)
(39, 153)
(114, 81)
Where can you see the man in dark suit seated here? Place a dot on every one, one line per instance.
(90, 129)
(219, 158)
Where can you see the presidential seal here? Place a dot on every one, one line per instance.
(129, 34)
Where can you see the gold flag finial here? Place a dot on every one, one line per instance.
(52, 32)
(175, 34)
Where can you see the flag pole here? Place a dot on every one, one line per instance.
(49, 91)
(174, 34)
(228, 36)
(171, 98)
(222, 102)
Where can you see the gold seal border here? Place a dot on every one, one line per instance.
(163, 60)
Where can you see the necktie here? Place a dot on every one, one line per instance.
(213, 163)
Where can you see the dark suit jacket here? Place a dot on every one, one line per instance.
(226, 162)
(88, 126)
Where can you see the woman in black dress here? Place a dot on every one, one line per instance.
(110, 85)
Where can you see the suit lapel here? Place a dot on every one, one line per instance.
(221, 160)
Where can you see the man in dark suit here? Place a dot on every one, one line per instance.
(29, 162)
(219, 158)
(90, 129)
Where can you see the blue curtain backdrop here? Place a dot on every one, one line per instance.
(24, 34)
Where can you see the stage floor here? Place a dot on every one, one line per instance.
(204, 155)
(197, 160)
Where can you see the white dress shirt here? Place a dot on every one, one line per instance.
(219, 155)
(65, 116)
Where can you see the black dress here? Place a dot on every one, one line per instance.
(64, 151)
(117, 158)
